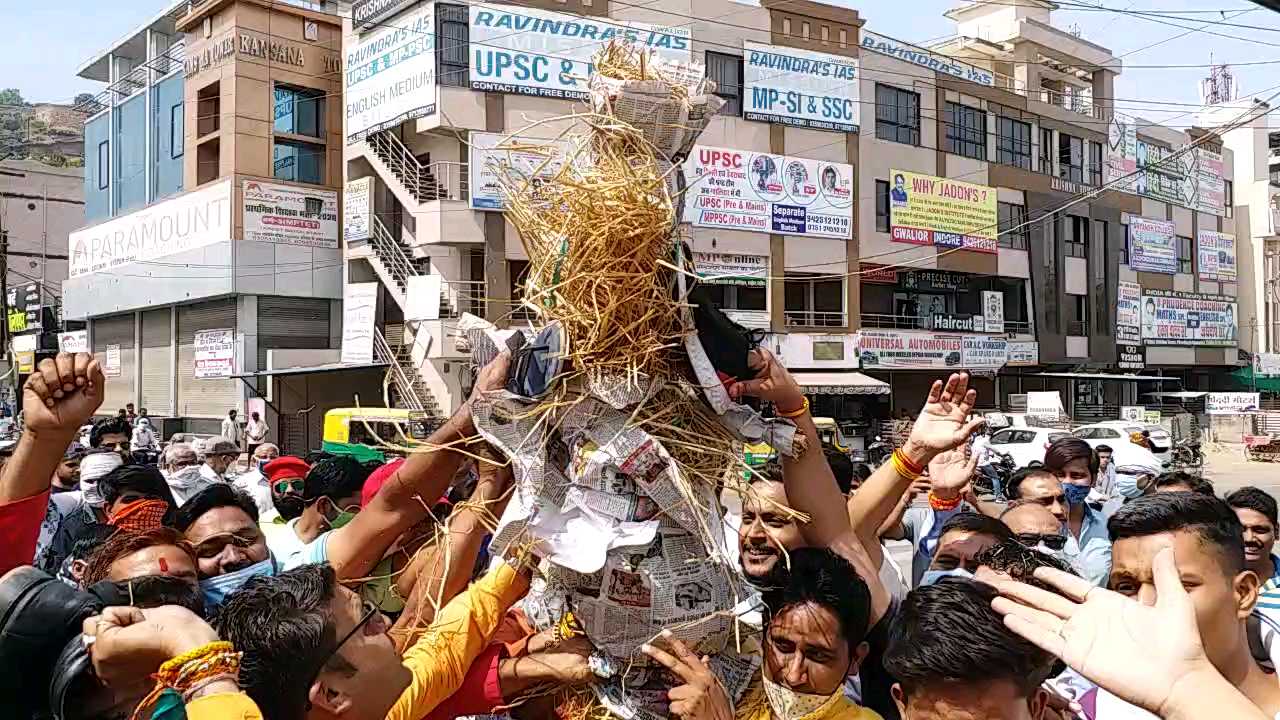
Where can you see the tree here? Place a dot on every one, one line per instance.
(11, 96)
(83, 98)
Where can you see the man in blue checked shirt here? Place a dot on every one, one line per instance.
(1257, 513)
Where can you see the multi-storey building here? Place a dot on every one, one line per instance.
(210, 249)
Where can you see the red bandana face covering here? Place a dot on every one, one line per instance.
(140, 515)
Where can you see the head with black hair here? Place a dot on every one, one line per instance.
(768, 528)
(221, 522)
(1207, 544)
(1072, 461)
(817, 619)
(113, 433)
(953, 657)
(133, 495)
(1256, 511)
(74, 565)
(842, 467)
(1104, 456)
(1181, 481)
(291, 630)
(127, 555)
(330, 495)
(1038, 485)
(962, 537)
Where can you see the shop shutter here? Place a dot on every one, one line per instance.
(205, 398)
(116, 330)
(291, 324)
(157, 363)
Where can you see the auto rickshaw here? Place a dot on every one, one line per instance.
(366, 433)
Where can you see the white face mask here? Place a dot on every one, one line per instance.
(932, 576)
(788, 704)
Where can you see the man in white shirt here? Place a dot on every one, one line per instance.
(231, 429)
(219, 455)
(254, 480)
(255, 432)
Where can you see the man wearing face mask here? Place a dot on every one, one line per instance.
(963, 537)
(1035, 527)
(1074, 463)
(221, 523)
(219, 455)
(70, 515)
(254, 481)
(330, 498)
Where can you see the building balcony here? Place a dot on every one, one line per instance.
(816, 319)
(435, 193)
(880, 321)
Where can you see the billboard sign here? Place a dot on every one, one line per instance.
(192, 220)
(1122, 151)
(1153, 246)
(1024, 353)
(215, 353)
(993, 310)
(76, 341)
(1208, 186)
(929, 210)
(919, 350)
(526, 51)
(727, 269)
(760, 192)
(935, 62)
(24, 308)
(359, 311)
(290, 215)
(799, 87)
(1170, 317)
(1128, 312)
(1131, 357)
(517, 158)
(357, 209)
(1231, 403)
(1216, 253)
(389, 74)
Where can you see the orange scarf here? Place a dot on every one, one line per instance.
(140, 515)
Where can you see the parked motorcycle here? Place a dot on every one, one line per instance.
(1001, 469)
(1186, 453)
(878, 452)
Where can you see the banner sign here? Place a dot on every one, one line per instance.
(1153, 246)
(1170, 317)
(290, 215)
(357, 209)
(528, 51)
(1163, 175)
(24, 353)
(192, 220)
(359, 310)
(928, 210)
(215, 353)
(1231, 403)
(1132, 413)
(917, 350)
(799, 87)
(1216, 253)
(1266, 363)
(521, 158)
(1208, 186)
(76, 341)
(926, 59)
(25, 309)
(111, 361)
(389, 74)
(1122, 151)
(759, 192)
(1045, 403)
(1131, 357)
(1024, 353)
(993, 310)
(725, 269)
(1128, 312)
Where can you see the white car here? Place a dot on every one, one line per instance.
(1025, 444)
(1115, 434)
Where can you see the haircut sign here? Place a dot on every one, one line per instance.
(800, 87)
(527, 51)
(928, 210)
(1178, 318)
(766, 193)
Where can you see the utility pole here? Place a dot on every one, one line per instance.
(4, 300)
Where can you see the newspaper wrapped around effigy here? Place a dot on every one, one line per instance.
(620, 460)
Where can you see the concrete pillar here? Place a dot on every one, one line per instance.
(137, 353)
(173, 359)
(247, 337)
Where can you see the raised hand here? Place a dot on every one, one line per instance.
(772, 382)
(128, 643)
(1142, 653)
(62, 393)
(950, 473)
(943, 423)
(702, 696)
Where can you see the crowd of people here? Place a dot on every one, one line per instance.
(320, 587)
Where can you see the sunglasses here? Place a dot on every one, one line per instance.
(282, 487)
(1053, 541)
(213, 546)
(122, 445)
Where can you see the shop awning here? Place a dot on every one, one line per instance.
(309, 369)
(1105, 376)
(1181, 394)
(840, 383)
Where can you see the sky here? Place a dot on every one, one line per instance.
(41, 60)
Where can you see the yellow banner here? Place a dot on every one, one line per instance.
(929, 210)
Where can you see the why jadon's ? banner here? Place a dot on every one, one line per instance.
(928, 210)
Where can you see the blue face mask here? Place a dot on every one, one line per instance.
(1076, 494)
(216, 589)
(932, 576)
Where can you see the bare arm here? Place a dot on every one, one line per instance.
(355, 548)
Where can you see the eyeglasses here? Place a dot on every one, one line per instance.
(213, 546)
(1053, 541)
(369, 611)
(282, 487)
(122, 445)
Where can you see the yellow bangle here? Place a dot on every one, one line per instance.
(804, 408)
(900, 466)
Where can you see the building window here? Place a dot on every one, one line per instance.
(1013, 142)
(1014, 232)
(1079, 325)
(1095, 163)
(299, 162)
(175, 131)
(1229, 197)
(1070, 158)
(104, 164)
(453, 47)
(882, 206)
(844, 38)
(897, 115)
(814, 302)
(1077, 237)
(1046, 151)
(1184, 254)
(299, 111)
(804, 30)
(736, 297)
(966, 131)
(1124, 246)
(726, 72)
